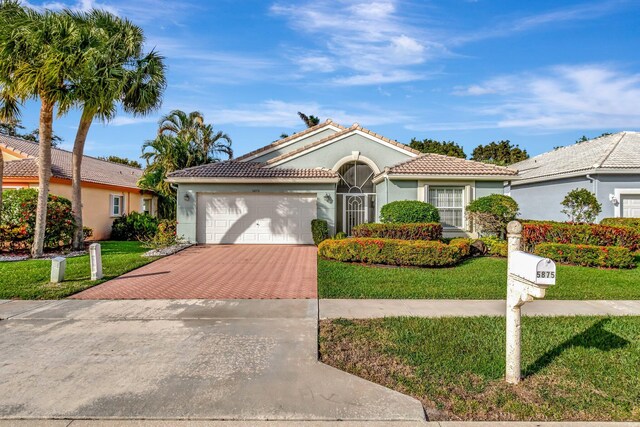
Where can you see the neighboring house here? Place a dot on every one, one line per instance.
(109, 190)
(342, 175)
(608, 166)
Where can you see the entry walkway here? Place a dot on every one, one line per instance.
(374, 308)
(178, 359)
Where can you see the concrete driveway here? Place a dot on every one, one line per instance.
(178, 359)
(219, 272)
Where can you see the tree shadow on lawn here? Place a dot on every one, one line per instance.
(593, 337)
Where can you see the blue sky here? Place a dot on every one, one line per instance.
(539, 73)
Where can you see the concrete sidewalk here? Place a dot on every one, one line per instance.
(375, 308)
(177, 359)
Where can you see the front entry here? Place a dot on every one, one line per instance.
(356, 197)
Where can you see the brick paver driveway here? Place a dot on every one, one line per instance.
(219, 272)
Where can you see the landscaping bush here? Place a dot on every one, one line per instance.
(536, 233)
(587, 255)
(491, 214)
(621, 222)
(87, 232)
(495, 247)
(135, 226)
(463, 243)
(340, 235)
(417, 253)
(581, 205)
(319, 230)
(18, 220)
(166, 235)
(408, 212)
(419, 231)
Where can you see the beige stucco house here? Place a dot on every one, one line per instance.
(109, 190)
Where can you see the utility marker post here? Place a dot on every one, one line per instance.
(528, 277)
(58, 267)
(95, 259)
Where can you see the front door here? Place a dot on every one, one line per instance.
(356, 199)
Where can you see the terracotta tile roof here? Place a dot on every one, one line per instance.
(93, 170)
(617, 151)
(236, 169)
(290, 137)
(438, 164)
(343, 132)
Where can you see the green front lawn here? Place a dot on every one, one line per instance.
(475, 278)
(30, 279)
(575, 368)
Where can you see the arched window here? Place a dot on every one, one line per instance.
(355, 177)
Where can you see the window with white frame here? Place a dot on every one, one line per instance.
(450, 204)
(146, 206)
(117, 205)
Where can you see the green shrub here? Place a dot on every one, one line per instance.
(463, 243)
(579, 234)
(165, 236)
(408, 212)
(135, 226)
(340, 235)
(491, 214)
(495, 247)
(319, 230)
(621, 222)
(87, 232)
(18, 220)
(417, 253)
(420, 231)
(581, 205)
(587, 255)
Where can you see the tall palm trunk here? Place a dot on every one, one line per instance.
(44, 175)
(76, 176)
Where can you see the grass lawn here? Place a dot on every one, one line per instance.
(575, 368)
(475, 278)
(30, 279)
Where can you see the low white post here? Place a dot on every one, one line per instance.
(95, 258)
(514, 302)
(58, 267)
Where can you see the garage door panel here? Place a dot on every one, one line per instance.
(631, 205)
(255, 218)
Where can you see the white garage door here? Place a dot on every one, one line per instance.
(631, 206)
(255, 218)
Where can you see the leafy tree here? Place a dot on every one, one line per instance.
(122, 161)
(500, 153)
(448, 148)
(114, 71)
(183, 141)
(581, 205)
(584, 138)
(40, 53)
(310, 121)
(491, 214)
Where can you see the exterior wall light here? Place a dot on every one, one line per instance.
(327, 198)
(187, 197)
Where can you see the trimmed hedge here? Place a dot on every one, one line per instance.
(409, 212)
(134, 226)
(495, 247)
(621, 222)
(415, 231)
(417, 253)
(319, 230)
(587, 255)
(535, 233)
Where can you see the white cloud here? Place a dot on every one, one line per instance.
(278, 113)
(590, 96)
(362, 43)
(129, 120)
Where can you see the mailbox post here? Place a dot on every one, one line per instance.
(528, 277)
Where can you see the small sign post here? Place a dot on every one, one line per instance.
(58, 267)
(528, 277)
(95, 258)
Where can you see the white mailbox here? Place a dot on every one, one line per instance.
(532, 268)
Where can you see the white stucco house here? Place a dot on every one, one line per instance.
(608, 166)
(341, 174)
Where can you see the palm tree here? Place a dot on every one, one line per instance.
(183, 140)
(39, 53)
(114, 72)
(310, 121)
(9, 111)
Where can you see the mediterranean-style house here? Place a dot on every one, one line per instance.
(109, 190)
(608, 166)
(342, 175)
